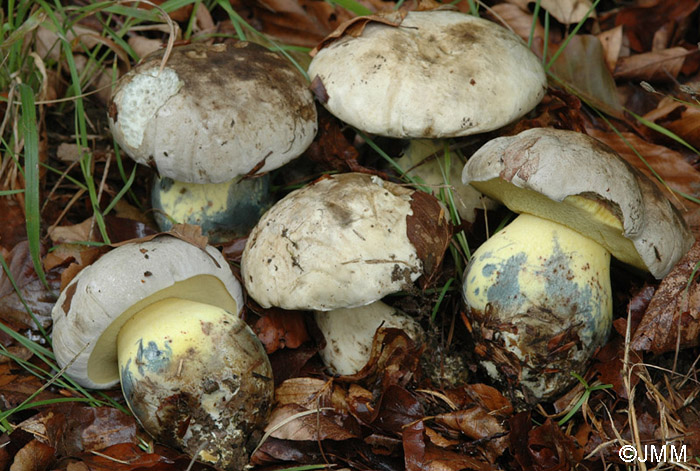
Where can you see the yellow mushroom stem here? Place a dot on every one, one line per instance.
(197, 379)
(540, 298)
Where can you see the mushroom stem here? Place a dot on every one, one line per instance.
(540, 298)
(225, 211)
(192, 375)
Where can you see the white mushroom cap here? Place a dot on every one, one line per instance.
(349, 334)
(93, 307)
(214, 112)
(343, 241)
(578, 181)
(441, 73)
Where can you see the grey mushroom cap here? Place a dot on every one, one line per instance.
(213, 112)
(441, 73)
(578, 181)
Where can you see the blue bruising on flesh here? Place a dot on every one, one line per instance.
(562, 289)
(506, 286)
(152, 358)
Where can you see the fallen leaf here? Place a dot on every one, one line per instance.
(679, 118)
(310, 393)
(74, 428)
(611, 41)
(654, 66)
(13, 229)
(642, 22)
(38, 297)
(355, 26)
(674, 306)
(567, 11)
(583, 67)
(476, 423)
(278, 328)
(294, 422)
(34, 456)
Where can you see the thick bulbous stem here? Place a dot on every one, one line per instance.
(197, 378)
(539, 297)
(225, 211)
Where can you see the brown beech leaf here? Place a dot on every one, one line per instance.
(34, 456)
(278, 329)
(74, 428)
(294, 422)
(12, 230)
(355, 27)
(566, 11)
(476, 423)
(681, 119)
(331, 150)
(676, 304)
(393, 360)
(544, 447)
(429, 231)
(611, 40)
(414, 446)
(129, 457)
(34, 293)
(654, 66)
(642, 22)
(519, 19)
(582, 66)
(310, 393)
(437, 459)
(610, 367)
(397, 409)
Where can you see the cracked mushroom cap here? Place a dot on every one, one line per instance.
(95, 305)
(441, 73)
(343, 241)
(578, 181)
(214, 112)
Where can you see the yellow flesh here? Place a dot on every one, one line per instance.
(102, 366)
(212, 197)
(533, 260)
(584, 215)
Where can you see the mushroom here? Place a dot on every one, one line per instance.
(224, 211)
(538, 292)
(211, 114)
(349, 334)
(468, 74)
(440, 73)
(423, 160)
(163, 316)
(343, 241)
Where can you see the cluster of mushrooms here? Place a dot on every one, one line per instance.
(163, 316)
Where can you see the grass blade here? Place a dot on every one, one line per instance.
(31, 179)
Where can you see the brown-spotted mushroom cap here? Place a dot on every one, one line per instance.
(441, 73)
(343, 241)
(578, 181)
(95, 305)
(214, 112)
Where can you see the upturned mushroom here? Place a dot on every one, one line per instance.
(163, 316)
(213, 114)
(538, 292)
(343, 241)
